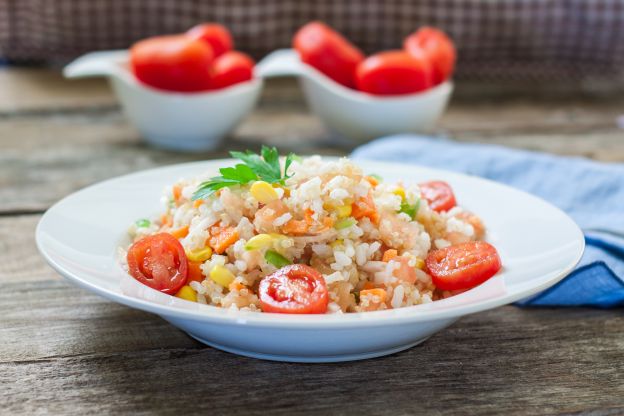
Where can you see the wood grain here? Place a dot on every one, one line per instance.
(66, 351)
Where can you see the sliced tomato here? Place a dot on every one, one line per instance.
(173, 63)
(159, 261)
(436, 47)
(231, 68)
(393, 73)
(438, 194)
(296, 289)
(328, 51)
(463, 266)
(215, 35)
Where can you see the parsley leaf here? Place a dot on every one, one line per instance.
(265, 167)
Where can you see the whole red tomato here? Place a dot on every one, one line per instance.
(173, 63)
(437, 47)
(329, 52)
(393, 73)
(216, 35)
(231, 68)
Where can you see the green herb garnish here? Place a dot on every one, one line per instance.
(409, 209)
(264, 167)
(276, 259)
(142, 223)
(378, 177)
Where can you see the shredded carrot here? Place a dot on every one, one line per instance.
(389, 255)
(198, 203)
(236, 286)
(296, 227)
(374, 182)
(221, 238)
(180, 232)
(380, 293)
(369, 285)
(365, 207)
(194, 271)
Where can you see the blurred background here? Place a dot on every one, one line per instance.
(550, 41)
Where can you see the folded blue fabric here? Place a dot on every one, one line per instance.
(591, 193)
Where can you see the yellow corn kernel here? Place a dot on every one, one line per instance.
(400, 192)
(420, 263)
(187, 293)
(199, 255)
(343, 211)
(258, 242)
(337, 243)
(221, 275)
(263, 192)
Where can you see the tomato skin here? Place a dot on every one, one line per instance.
(463, 266)
(231, 68)
(393, 73)
(215, 35)
(329, 52)
(436, 47)
(159, 261)
(438, 194)
(294, 289)
(172, 63)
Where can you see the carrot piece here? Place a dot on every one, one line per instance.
(365, 207)
(389, 255)
(369, 285)
(236, 286)
(380, 293)
(177, 192)
(194, 271)
(307, 215)
(180, 232)
(374, 182)
(296, 227)
(221, 238)
(198, 203)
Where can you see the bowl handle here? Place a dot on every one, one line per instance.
(96, 64)
(283, 62)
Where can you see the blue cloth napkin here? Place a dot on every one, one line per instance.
(591, 193)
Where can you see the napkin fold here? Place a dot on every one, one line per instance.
(591, 193)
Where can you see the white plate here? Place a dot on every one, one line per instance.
(538, 245)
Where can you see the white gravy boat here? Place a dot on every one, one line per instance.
(177, 121)
(356, 115)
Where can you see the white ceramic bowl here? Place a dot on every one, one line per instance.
(80, 235)
(356, 115)
(176, 121)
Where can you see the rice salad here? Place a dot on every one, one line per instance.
(368, 242)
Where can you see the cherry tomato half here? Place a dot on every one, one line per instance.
(159, 261)
(438, 194)
(329, 52)
(294, 289)
(393, 73)
(173, 63)
(231, 68)
(435, 46)
(216, 35)
(463, 266)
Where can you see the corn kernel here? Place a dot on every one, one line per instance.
(400, 192)
(221, 275)
(258, 242)
(420, 263)
(199, 255)
(263, 192)
(344, 211)
(187, 293)
(336, 244)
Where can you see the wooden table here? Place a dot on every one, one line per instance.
(65, 350)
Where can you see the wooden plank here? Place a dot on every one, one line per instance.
(498, 362)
